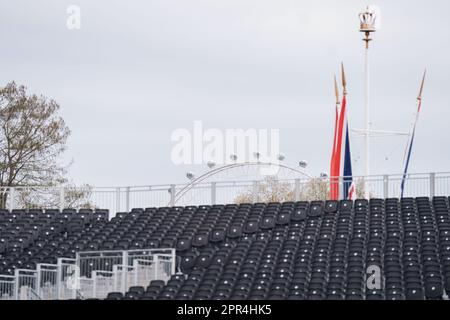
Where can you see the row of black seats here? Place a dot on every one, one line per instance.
(291, 250)
(315, 250)
(31, 236)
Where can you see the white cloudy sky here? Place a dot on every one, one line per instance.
(139, 69)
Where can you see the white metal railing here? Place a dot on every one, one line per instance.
(118, 199)
(26, 284)
(7, 287)
(92, 274)
(47, 281)
(67, 279)
(105, 271)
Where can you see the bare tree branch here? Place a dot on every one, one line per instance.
(32, 138)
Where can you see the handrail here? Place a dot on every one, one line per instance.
(206, 192)
(93, 275)
(165, 186)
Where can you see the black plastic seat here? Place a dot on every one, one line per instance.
(234, 232)
(331, 206)
(267, 223)
(315, 209)
(188, 262)
(299, 215)
(183, 244)
(114, 296)
(434, 290)
(200, 240)
(283, 219)
(251, 227)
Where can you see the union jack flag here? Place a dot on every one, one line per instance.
(341, 181)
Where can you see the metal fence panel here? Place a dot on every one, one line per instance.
(68, 275)
(47, 281)
(92, 274)
(26, 284)
(7, 287)
(119, 199)
(105, 271)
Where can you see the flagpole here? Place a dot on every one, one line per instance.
(411, 134)
(415, 114)
(367, 26)
(333, 194)
(345, 175)
(366, 115)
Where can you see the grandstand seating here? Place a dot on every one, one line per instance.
(291, 250)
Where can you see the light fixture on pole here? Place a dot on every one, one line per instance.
(190, 175)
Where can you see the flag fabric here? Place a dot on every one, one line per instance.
(348, 190)
(337, 159)
(341, 158)
(408, 157)
(333, 172)
(411, 139)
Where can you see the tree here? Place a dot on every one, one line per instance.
(32, 138)
(41, 197)
(360, 187)
(315, 189)
(269, 190)
(273, 190)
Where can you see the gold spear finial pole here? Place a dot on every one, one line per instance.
(344, 81)
(336, 91)
(368, 20)
(419, 97)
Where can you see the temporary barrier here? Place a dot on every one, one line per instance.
(92, 274)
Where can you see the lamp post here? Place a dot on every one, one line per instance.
(367, 26)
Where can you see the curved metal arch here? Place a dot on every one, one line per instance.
(215, 171)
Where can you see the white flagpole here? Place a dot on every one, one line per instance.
(366, 118)
(368, 21)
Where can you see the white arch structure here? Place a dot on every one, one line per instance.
(218, 170)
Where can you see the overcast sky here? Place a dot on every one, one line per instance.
(138, 70)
